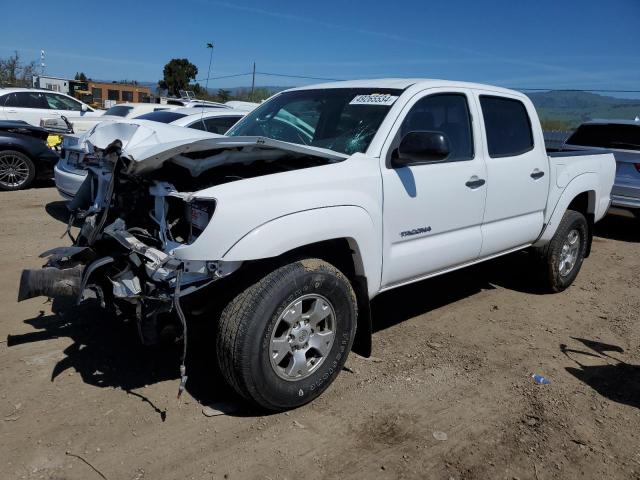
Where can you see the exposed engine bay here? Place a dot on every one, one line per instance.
(137, 204)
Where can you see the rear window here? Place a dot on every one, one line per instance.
(507, 125)
(161, 116)
(119, 111)
(608, 135)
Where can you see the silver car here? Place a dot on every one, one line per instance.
(622, 138)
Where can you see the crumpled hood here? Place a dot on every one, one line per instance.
(149, 144)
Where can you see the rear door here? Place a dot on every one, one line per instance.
(27, 106)
(433, 212)
(517, 171)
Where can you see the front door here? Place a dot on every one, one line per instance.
(433, 213)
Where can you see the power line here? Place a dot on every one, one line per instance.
(300, 76)
(222, 76)
(574, 90)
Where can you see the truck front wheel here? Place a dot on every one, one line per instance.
(282, 341)
(563, 257)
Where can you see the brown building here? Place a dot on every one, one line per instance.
(119, 92)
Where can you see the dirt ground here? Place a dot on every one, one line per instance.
(447, 395)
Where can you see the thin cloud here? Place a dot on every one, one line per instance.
(390, 36)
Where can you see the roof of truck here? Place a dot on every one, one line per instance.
(404, 83)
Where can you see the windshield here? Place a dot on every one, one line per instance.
(119, 111)
(162, 116)
(341, 119)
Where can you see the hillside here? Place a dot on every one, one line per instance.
(564, 109)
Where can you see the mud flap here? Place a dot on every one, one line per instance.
(362, 342)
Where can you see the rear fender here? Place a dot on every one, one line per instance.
(586, 182)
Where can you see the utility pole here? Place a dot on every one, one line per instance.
(253, 80)
(206, 87)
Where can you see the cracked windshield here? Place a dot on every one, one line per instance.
(340, 119)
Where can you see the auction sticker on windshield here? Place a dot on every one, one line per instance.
(374, 99)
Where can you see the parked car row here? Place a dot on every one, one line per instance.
(71, 171)
(24, 155)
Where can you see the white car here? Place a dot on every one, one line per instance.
(195, 103)
(316, 202)
(69, 173)
(81, 124)
(32, 105)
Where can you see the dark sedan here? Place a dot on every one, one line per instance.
(24, 155)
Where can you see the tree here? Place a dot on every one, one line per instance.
(14, 73)
(80, 77)
(177, 75)
(224, 95)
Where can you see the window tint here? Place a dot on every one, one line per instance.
(162, 116)
(60, 102)
(119, 111)
(445, 113)
(507, 125)
(220, 124)
(607, 135)
(27, 100)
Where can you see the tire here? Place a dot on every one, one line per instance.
(256, 352)
(17, 171)
(562, 258)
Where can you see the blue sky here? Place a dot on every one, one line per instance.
(543, 44)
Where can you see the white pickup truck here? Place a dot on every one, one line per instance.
(317, 201)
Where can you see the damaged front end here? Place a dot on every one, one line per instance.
(132, 220)
(121, 255)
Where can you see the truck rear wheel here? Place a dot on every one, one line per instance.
(562, 258)
(282, 341)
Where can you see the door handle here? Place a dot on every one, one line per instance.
(11, 111)
(475, 182)
(536, 174)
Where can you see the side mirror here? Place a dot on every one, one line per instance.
(83, 108)
(420, 147)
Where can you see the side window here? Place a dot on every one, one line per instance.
(27, 100)
(220, 124)
(507, 125)
(447, 113)
(199, 125)
(60, 102)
